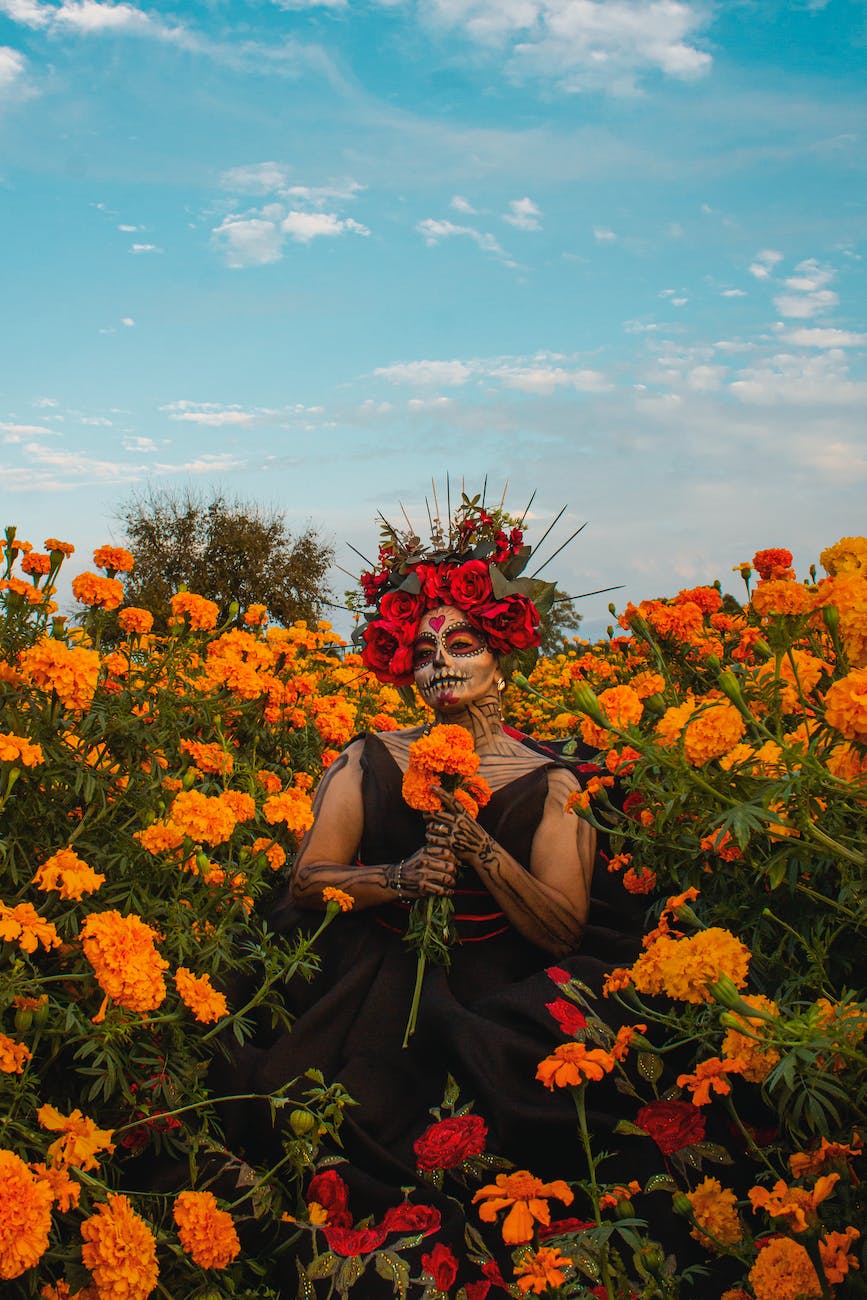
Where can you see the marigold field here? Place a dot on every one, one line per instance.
(153, 790)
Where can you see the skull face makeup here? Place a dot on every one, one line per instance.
(452, 664)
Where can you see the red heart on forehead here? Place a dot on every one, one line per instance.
(436, 623)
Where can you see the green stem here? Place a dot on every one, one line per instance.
(578, 1097)
(419, 975)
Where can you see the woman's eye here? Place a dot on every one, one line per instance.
(464, 645)
(422, 656)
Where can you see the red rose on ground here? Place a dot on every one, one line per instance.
(477, 1290)
(672, 1124)
(442, 1266)
(567, 1015)
(403, 608)
(558, 974)
(509, 624)
(546, 1230)
(412, 1218)
(388, 652)
(330, 1191)
(470, 585)
(492, 1272)
(354, 1241)
(450, 1141)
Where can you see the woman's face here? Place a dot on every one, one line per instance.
(452, 664)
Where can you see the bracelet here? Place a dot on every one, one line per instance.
(394, 877)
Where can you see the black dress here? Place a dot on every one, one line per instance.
(484, 1021)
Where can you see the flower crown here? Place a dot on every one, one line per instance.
(474, 564)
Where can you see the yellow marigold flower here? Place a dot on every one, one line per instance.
(120, 1251)
(81, 1142)
(846, 705)
(542, 1270)
(25, 1216)
(113, 557)
(782, 596)
(784, 1271)
(715, 1210)
(747, 1043)
(71, 671)
(202, 613)
(133, 620)
(127, 966)
(292, 807)
(13, 1056)
(23, 925)
(69, 875)
(683, 968)
(94, 590)
(835, 1252)
(710, 1076)
(17, 749)
(849, 555)
(526, 1199)
(210, 758)
(242, 805)
(622, 706)
(206, 1232)
(343, 900)
(794, 1205)
(199, 996)
(273, 852)
(65, 1192)
(202, 817)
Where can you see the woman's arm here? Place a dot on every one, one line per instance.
(549, 903)
(329, 850)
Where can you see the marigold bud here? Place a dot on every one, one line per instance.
(585, 701)
(831, 615)
(681, 1204)
(23, 1020)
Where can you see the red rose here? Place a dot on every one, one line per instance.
(672, 1124)
(469, 585)
(477, 1290)
(434, 583)
(412, 1218)
(546, 1230)
(558, 974)
(372, 584)
(509, 624)
(633, 804)
(492, 1272)
(388, 652)
(450, 1141)
(354, 1241)
(567, 1015)
(401, 607)
(330, 1191)
(441, 1265)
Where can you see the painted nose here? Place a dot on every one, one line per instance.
(440, 657)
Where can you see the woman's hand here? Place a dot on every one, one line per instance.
(432, 869)
(453, 829)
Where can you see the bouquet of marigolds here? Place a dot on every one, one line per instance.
(442, 758)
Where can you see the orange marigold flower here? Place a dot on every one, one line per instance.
(623, 1040)
(708, 599)
(292, 807)
(13, 1056)
(65, 548)
(36, 563)
(721, 843)
(270, 781)
(827, 1153)
(69, 875)
(526, 1199)
(620, 1192)
(126, 964)
(65, 1192)
(120, 1251)
(782, 597)
(81, 1142)
(102, 593)
(206, 1232)
(670, 727)
(202, 817)
(23, 925)
(343, 900)
(642, 881)
(794, 1205)
(199, 996)
(849, 555)
(711, 731)
(256, 615)
(161, 837)
(621, 978)
(19, 750)
(572, 1064)
(273, 852)
(71, 671)
(835, 1252)
(846, 705)
(202, 613)
(113, 557)
(710, 1076)
(773, 562)
(302, 781)
(25, 1216)
(715, 1210)
(542, 1270)
(133, 620)
(622, 706)
(683, 968)
(784, 1271)
(243, 805)
(748, 1042)
(210, 758)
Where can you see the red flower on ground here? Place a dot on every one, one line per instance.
(354, 1241)
(673, 1125)
(411, 1218)
(567, 1015)
(450, 1141)
(330, 1191)
(442, 1265)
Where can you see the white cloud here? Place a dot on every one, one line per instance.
(795, 380)
(603, 234)
(145, 248)
(807, 294)
(127, 321)
(825, 338)
(423, 373)
(524, 214)
(15, 432)
(764, 263)
(460, 204)
(433, 231)
(545, 379)
(258, 237)
(207, 463)
(210, 413)
(129, 230)
(249, 241)
(29, 13)
(541, 374)
(733, 293)
(304, 226)
(139, 444)
(45, 402)
(274, 178)
(582, 44)
(13, 66)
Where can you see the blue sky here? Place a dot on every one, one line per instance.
(313, 253)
